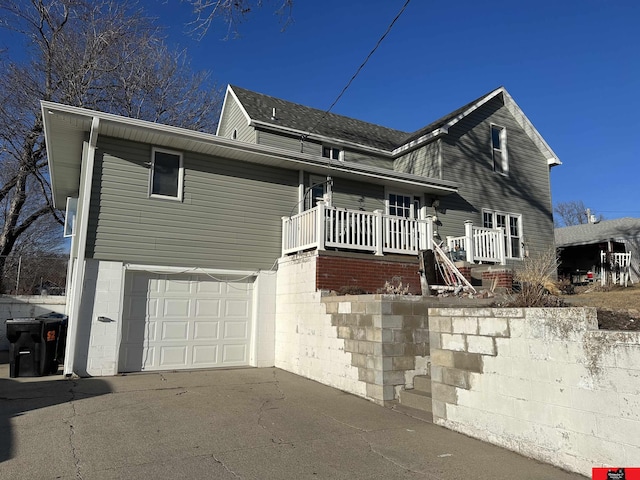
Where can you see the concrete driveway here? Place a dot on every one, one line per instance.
(228, 424)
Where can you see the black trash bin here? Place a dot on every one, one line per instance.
(33, 344)
(61, 341)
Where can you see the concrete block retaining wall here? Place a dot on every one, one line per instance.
(543, 382)
(387, 337)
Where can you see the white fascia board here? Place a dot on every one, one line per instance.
(230, 93)
(419, 141)
(530, 130)
(297, 160)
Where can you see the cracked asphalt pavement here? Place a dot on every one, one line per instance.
(229, 424)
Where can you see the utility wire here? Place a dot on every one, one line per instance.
(357, 71)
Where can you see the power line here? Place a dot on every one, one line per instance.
(357, 71)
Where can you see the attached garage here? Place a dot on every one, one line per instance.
(173, 322)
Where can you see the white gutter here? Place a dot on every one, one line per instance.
(82, 221)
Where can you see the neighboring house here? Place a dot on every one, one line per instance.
(600, 248)
(176, 234)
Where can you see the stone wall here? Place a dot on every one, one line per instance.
(543, 382)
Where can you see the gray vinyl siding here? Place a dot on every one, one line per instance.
(423, 161)
(357, 195)
(525, 190)
(292, 143)
(230, 217)
(233, 119)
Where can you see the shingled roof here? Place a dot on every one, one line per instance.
(299, 117)
(603, 231)
(303, 120)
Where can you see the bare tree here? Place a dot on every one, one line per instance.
(232, 13)
(105, 55)
(572, 213)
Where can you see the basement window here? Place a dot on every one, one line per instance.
(166, 174)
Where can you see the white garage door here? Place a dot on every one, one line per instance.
(184, 321)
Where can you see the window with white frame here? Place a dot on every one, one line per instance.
(332, 152)
(316, 189)
(499, 149)
(166, 174)
(403, 205)
(511, 224)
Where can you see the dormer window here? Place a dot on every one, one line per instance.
(332, 152)
(499, 149)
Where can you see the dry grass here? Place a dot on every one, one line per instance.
(613, 298)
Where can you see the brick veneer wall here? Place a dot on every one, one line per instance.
(370, 275)
(503, 278)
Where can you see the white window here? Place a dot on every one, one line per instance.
(511, 224)
(499, 149)
(332, 153)
(318, 186)
(403, 205)
(166, 174)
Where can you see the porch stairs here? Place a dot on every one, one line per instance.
(417, 400)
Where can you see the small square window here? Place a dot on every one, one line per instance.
(332, 153)
(166, 174)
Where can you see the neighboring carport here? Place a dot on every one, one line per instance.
(581, 246)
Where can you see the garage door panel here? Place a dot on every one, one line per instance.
(236, 308)
(209, 287)
(173, 356)
(235, 330)
(185, 321)
(176, 307)
(206, 330)
(174, 286)
(205, 355)
(207, 307)
(175, 330)
(234, 354)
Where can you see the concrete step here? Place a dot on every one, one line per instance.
(416, 399)
(412, 412)
(422, 383)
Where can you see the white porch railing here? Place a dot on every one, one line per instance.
(330, 227)
(614, 267)
(479, 244)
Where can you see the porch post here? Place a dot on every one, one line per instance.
(285, 235)
(320, 224)
(379, 237)
(468, 240)
(502, 254)
(427, 243)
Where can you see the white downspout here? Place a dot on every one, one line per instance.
(82, 220)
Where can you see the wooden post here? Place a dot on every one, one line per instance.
(379, 242)
(320, 225)
(468, 242)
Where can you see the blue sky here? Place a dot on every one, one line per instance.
(573, 66)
